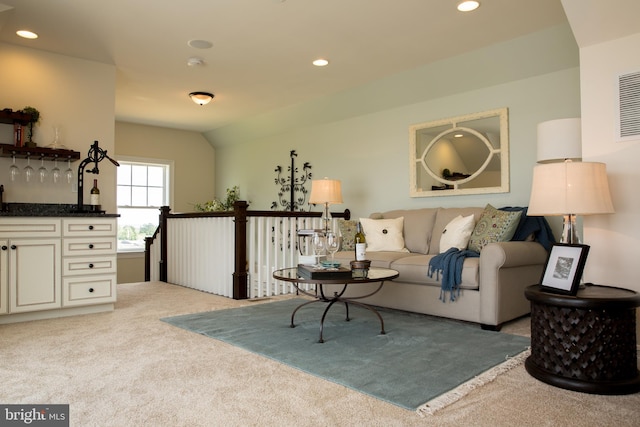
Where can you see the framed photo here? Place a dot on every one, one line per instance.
(564, 268)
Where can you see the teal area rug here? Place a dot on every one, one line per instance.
(419, 359)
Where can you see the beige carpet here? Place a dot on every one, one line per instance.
(127, 368)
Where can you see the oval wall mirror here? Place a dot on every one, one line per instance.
(460, 155)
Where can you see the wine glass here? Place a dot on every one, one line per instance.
(42, 171)
(318, 244)
(28, 170)
(14, 170)
(55, 172)
(69, 172)
(333, 244)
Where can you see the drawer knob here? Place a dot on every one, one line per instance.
(90, 245)
(90, 265)
(13, 247)
(91, 227)
(90, 289)
(4, 247)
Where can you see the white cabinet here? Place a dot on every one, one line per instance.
(89, 261)
(34, 275)
(30, 265)
(52, 267)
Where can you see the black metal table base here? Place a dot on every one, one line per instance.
(337, 297)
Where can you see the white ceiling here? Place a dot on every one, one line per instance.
(262, 49)
(597, 21)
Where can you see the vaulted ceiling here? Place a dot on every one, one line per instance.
(261, 50)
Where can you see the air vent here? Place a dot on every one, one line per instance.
(628, 123)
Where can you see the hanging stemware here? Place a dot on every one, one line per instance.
(69, 172)
(55, 172)
(42, 171)
(28, 170)
(14, 170)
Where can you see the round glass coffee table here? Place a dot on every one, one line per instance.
(376, 275)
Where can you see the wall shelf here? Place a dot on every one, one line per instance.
(9, 150)
(11, 117)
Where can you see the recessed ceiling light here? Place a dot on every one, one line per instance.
(200, 44)
(320, 62)
(468, 6)
(27, 34)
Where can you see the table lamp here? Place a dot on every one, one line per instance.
(328, 192)
(562, 186)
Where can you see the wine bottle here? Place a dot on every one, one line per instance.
(95, 196)
(360, 243)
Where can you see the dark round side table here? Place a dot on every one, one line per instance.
(586, 342)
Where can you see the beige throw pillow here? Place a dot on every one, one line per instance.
(384, 234)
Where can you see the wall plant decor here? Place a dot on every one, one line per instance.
(460, 155)
(292, 193)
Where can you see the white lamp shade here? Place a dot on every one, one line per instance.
(579, 188)
(559, 140)
(325, 191)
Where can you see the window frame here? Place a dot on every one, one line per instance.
(169, 185)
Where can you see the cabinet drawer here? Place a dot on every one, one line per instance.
(29, 227)
(88, 290)
(88, 246)
(81, 227)
(88, 265)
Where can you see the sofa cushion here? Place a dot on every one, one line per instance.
(418, 226)
(457, 233)
(347, 231)
(444, 217)
(384, 234)
(378, 259)
(493, 226)
(415, 268)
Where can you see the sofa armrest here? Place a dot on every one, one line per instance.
(512, 254)
(506, 269)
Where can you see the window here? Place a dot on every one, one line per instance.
(143, 187)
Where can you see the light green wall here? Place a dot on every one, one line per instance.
(352, 136)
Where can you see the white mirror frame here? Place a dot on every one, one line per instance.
(417, 162)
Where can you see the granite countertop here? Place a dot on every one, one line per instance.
(49, 210)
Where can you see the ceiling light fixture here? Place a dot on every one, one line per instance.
(194, 61)
(320, 62)
(468, 6)
(27, 34)
(201, 98)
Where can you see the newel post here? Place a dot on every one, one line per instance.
(164, 212)
(240, 274)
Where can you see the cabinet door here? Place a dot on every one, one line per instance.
(34, 274)
(4, 276)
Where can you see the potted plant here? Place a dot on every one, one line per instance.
(35, 117)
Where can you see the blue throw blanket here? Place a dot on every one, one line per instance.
(449, 265)
(528, 225)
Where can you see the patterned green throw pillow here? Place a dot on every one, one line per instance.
(493, 226)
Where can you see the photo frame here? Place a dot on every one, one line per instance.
(564, 267)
